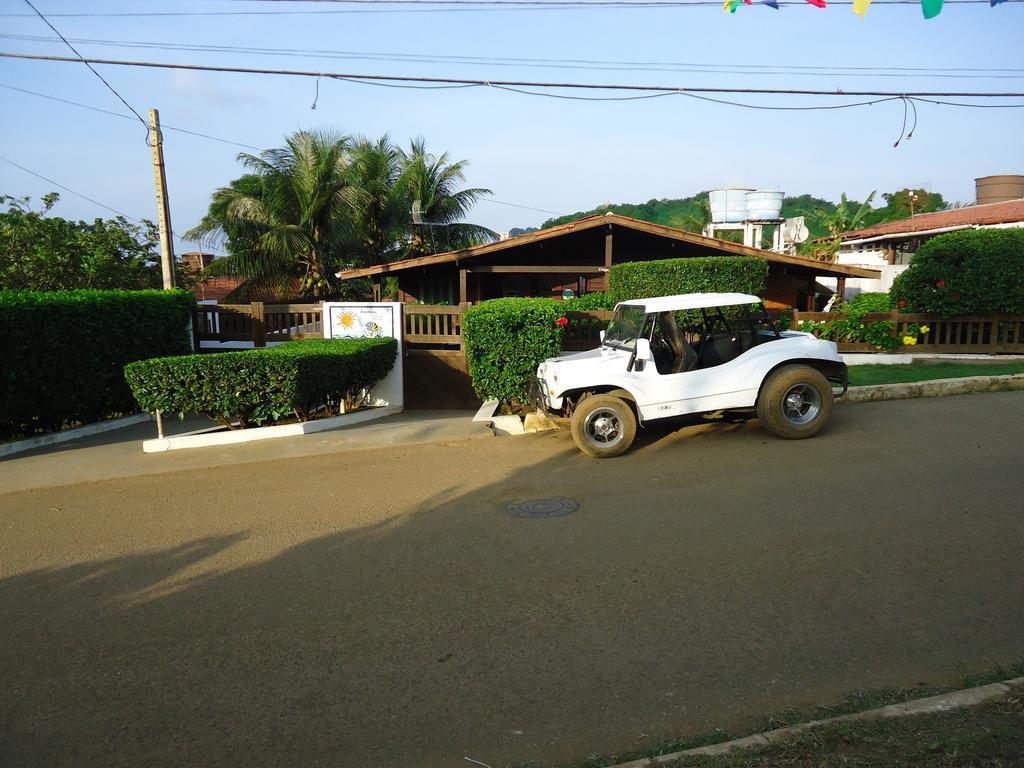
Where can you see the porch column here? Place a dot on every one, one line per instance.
(608, 249)
(841, 288)
(462, 288)
(810, 293)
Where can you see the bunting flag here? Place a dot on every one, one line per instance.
(930, 8)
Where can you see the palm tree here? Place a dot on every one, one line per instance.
(381, 209)
(433, 181)
(288, 216)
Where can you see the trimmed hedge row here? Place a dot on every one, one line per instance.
(261, 386)
(963, 273)
(64, 352)
(506, 339)
(705, 274)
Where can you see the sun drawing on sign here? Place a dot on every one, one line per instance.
(347, 320)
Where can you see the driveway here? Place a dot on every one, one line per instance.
(379, 608)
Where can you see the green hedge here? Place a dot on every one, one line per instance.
(63, 352)
(869, 302)
(261, 386)
(706, 274)
(506, 339)
(962, 273)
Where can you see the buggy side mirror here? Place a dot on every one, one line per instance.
(641, 354)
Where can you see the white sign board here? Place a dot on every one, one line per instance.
(370, 320)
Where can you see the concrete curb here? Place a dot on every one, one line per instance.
(942, 703)
(935, 388)
(54, 438)
(209, 437)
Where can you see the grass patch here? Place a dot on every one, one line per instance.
(858, 701)
(987, 735)
(864, 375)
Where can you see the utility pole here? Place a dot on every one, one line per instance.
(163, 208)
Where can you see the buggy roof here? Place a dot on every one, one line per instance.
(691, 301)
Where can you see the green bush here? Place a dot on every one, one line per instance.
(588, 302)
(962, 273)
(64, 352)
(260, 386)
(869, 302)
(706, 274)
(506, 339)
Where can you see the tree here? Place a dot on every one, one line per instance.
(381, 207)
(289, 216)
(844, 218)
(49, 253)
(433, 181)
(324, 202)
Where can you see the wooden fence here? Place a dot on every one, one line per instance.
(977, 334)
(257, 322)
(427, 326)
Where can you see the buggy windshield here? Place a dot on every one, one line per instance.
(625, 327)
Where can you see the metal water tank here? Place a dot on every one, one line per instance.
(728, 205)
(996, 189)
(764, 205)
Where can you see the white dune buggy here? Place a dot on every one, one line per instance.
(698, 353)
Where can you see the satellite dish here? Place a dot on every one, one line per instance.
(417, 212)
(795, 230)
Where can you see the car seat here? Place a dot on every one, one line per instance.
(684, 358)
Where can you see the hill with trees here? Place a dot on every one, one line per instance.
(823, 216)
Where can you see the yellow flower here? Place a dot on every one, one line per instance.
(910, 340)
(924, 329)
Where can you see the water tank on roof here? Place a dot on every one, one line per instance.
(728, 205)
(996, 189)
(764, 205)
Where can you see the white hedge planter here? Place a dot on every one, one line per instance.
(219, 436)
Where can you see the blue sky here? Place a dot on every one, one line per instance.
(556, 155)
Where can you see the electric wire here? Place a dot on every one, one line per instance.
(92, 200)
(212, 138)
(91, 69)
(510, 84)
(396, 7)
(575, 64)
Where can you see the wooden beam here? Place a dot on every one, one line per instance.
(462, 288)
(561, 269)
(841, 288)
(811, 289)
(608, 248)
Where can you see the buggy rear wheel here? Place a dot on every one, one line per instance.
(795, 402)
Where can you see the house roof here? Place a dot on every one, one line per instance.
(600, 220)
(692, 301)
(1007, 212)
(217, 287)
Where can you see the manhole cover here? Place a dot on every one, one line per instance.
(554, 507)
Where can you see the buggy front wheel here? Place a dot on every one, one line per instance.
(603, 426)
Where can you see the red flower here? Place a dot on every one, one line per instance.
(940, 283)
(562, 322)
(901, 303)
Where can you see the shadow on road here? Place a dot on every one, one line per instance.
(351, 628)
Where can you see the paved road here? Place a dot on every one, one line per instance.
(377, 608)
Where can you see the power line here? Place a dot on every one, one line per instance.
(163, 126)
(591, 64)
(205, 136)
(82, 59)
(511, 84)
(396, 6)
(89, 199)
